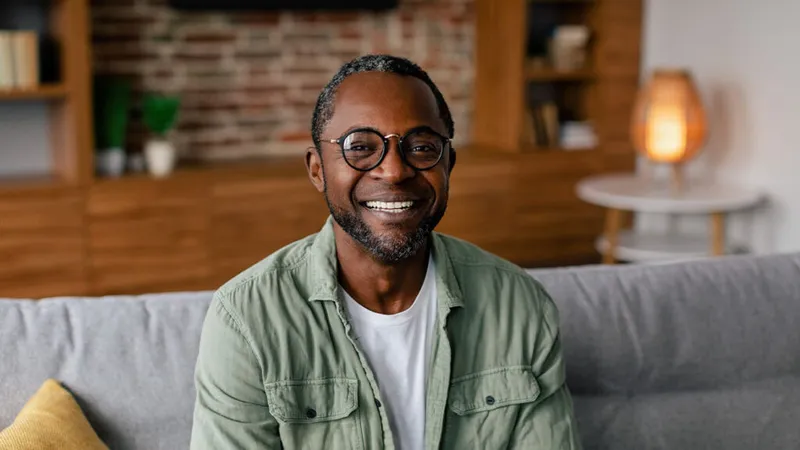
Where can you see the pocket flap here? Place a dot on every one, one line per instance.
(491, 389)
(309, 401)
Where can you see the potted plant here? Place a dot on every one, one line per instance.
(112, 98)
(160, 113)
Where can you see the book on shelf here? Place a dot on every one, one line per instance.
(541, 125)
(19, 60)
(6, 61)
(549, 113)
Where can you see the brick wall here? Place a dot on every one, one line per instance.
(249, 81)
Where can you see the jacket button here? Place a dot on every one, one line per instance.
(310, 413)
(490, 400)
(377, 403)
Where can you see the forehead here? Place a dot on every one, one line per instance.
(389, 102)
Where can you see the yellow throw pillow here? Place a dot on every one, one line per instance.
(50, 420)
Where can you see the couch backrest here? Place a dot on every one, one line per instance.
(695, 355)
(129, 361)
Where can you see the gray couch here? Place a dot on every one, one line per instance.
(697, 355)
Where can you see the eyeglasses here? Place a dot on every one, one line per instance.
(364, 148)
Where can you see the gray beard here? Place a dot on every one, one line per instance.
(385, 249)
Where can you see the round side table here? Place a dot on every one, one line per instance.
(619, 193)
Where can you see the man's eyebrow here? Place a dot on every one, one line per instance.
(362, 127)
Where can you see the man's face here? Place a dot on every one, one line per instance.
(390, 104)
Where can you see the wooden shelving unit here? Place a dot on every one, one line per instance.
(511, 36)
(68, 233)
(69, 98)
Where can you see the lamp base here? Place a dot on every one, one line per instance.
(677, 177)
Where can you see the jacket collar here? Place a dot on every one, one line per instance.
(324, 266)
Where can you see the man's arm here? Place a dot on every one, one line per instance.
(231, 409)
(549, 423)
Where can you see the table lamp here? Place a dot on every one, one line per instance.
(669, 122)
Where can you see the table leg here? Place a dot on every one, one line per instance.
(718, 234)
(613, 220)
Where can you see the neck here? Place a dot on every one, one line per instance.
(385, 288)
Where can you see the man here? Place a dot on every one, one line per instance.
(376, 332)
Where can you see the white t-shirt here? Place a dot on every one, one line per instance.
(398, 348)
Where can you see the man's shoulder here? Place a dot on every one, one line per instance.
(286, 259)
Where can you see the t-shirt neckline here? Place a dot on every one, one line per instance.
(363, 315)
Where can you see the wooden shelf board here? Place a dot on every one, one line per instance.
(45, 91)
(30, 183)
(267, 167)
(549, 74)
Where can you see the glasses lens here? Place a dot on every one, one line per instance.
(423, 149)
(362, 149)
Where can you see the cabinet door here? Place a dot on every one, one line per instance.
(253, 217)
(479, 209)
(148, 236)
(41, 245)
(551, 226)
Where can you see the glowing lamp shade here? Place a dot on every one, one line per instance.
(669, 123)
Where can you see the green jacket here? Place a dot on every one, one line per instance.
(278, 365)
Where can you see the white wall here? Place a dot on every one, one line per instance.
(745, 56)
(24, 139)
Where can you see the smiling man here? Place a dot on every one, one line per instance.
(377, 332)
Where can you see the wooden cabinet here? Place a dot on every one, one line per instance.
(42, 250)
(252, 217)
(523, 207)
(147, 236)
(199, 228)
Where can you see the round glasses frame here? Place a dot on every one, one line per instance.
(341, 140)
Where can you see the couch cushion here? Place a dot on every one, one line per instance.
(129, 361)
(758, 415)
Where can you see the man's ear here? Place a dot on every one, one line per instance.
(452, 161)
(314, 168)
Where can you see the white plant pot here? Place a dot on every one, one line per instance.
(160, 156)
(111, 162)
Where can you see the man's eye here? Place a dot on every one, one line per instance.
(359, 148)
(423, 149)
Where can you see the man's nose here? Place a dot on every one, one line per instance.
(393, 168)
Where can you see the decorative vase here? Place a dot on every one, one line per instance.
(111, 162)
(160, 156)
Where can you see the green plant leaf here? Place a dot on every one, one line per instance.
(112, 99)
(160, 113)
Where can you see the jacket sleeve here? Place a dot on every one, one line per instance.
(231, 410)
(549, 422)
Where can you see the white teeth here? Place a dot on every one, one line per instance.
(390, 206)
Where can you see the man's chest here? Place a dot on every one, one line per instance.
(327, 387)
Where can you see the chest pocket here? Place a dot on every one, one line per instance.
(316, 414)
(484, 406)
